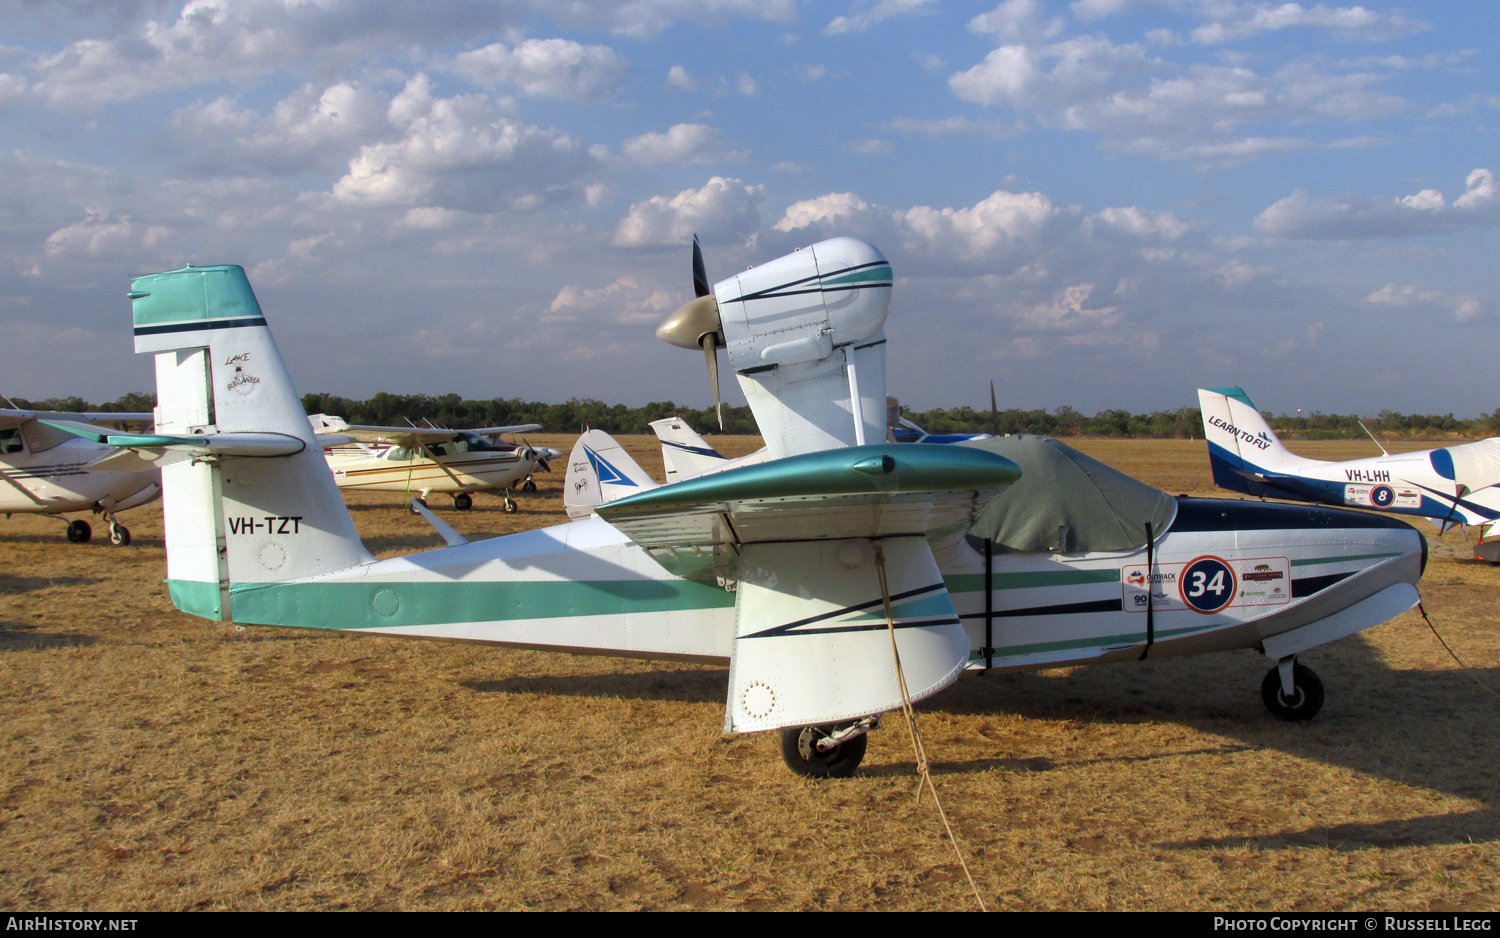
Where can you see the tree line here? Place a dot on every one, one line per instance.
(451, 410)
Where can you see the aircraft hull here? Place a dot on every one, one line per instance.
(584, 587)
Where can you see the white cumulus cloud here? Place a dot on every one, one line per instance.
(1300, 215)
(722, 211)
(687, 144)
(558, 68)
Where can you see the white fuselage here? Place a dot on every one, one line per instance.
(585, 586)
(55, 481)
(403, 469)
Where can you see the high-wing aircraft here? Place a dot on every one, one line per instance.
(804, 572)
(44, 470)
(1454, 484)
(429, 459)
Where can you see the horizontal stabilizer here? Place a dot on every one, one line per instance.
(250, 445)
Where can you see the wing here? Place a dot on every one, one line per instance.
(10, 419)
(886, 490)
(492, 432)
(816, 545)
(393, 436)
(140, 451)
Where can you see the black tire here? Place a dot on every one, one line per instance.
(508, 506)
(838, 762)
(530, 486)
(79, 532)
(119, 535)
(1307, 697)
(462, 501)
(418, 501)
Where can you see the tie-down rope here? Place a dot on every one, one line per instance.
(911, 724)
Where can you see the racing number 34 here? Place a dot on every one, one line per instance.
(1208, 584)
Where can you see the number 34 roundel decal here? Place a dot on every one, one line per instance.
(1208, 584)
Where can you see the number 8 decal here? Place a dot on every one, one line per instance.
(1208, 584)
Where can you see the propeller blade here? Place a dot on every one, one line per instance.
(543, 464)
(700, 273)
(711, 355)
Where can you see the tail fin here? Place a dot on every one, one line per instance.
(684, 453)
(233, 519)
(599, 471)
(1240, 442)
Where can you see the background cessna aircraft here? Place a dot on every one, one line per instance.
(426, 459)
(803, 573)
(45, 470)
(1453, 484)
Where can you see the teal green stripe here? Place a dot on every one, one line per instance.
(351, 605)
(856, 470)
(1350, 558)
(974, 582)
(922, 607)
(193, 294)
(196, 598)
(881, 274)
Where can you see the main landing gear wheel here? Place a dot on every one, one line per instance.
(462, 501)
(1305, 700)
(508, 506)
(119, 535)
(799, 749)
(415, 502)
(530, 486)
(79, 532)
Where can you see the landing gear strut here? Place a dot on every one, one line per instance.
(1292, 691)
(832, 751)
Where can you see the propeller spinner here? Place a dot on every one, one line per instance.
(696, 324)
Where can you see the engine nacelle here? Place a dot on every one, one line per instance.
(800, 307)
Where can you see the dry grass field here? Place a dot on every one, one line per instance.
(153, 761)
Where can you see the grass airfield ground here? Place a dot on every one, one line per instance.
(152, 760)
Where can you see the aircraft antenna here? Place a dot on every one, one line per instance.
(1372, 436)
(11, 403)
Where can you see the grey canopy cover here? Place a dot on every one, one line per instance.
(1100, 508)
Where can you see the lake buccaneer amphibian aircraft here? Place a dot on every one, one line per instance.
(430, 459)
(1455, 484)
(791, 570)
(46, 471)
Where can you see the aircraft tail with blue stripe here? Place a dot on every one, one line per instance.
(600, 471)
(1244, 452)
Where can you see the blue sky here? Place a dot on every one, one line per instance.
(1103, 204)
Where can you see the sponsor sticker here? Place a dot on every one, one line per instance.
(1382, 496)
(1207, 584)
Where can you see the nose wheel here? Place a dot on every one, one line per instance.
(508, 506)
(119, 535)
(1292, 691)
